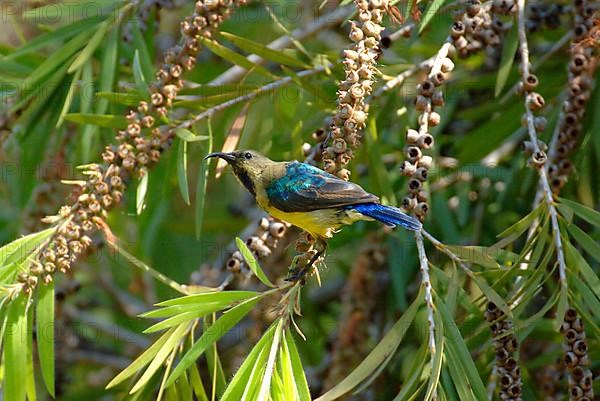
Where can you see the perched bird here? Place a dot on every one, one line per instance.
(308, 197)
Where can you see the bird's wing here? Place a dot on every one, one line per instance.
(304, 188)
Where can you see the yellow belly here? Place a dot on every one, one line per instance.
(319, 223)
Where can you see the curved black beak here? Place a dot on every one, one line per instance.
(228, 157)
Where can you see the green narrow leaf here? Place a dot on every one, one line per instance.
(189, 136)
(511, 43)
(235, 389)
(380, 353)
(265, 386)
(215, 368)
(430, 12)
(201, 184)
(589, 215)
(139, 77)
(56, 62)
(161, 356)
(585, 241)
(574, 258)
(45, 334)
(107, 120)
(106, 82)
(522, 225)
(410, 386)
(212, 296)
(288, 382)
(261, 50)
(90, 48)
(30, 372)
(62, 33)
(18, 250)
(561, 308)
(458, 347)
(196, 383)
(142, 360)
(182, 177)
(69, 98)
(144, 59)
(253, 263)
(221, 326)
(297, 369)
(234, 58)
(436, 364)
(141, 194)
(15, 349)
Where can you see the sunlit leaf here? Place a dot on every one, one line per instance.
(216, 331)
(182, 177)
(45, 333)
(252, 262)
(511, 43)
(15, 349)
(261, 50)
(380, 353)
(106, 120)
(140, 198)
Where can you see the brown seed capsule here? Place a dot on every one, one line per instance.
(421, 209)
(530, 83)
(586, 382)
(438, 79)
(233, 265)
(425, 162)
(434, 119)
(426, 88)
(540, 123)
(447, 65)
(570, 315)
(412, 136)
(535, 101)
(408, 203)
(580, 348)
(571, 336)
(457, 30)
(414, 185)
(421, 174)
(413, 153)
(437, 99)
(277, 230)
(407, 168)
(425, 141)
(570, 359)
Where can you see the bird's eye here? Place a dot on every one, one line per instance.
(248, 155)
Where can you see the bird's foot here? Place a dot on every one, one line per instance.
(301, 267)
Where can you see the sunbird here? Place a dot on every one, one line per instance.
(308, 197)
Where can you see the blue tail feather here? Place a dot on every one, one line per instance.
(388, 215)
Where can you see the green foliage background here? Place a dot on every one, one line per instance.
(85, 88)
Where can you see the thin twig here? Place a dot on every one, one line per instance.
(444, 249)
(333, 18)
(250, 96)
(399, 79)
(562, 42)
(545, 185)
(426, 281)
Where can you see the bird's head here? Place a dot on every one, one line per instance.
(248, 166)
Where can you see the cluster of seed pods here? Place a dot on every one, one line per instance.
(576, 358)
(505, 345)
(579, 88)
(139, 146)
(262, 243)
(360, 66)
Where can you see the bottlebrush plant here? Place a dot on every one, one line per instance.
(121, 280)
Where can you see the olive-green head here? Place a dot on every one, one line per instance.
(250, 167)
